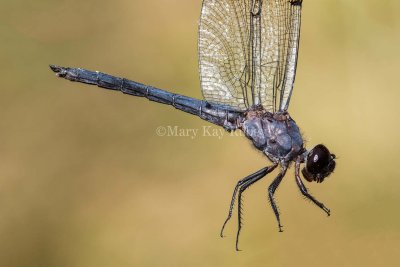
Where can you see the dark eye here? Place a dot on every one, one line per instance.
(318, 159)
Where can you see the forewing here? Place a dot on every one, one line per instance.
(290, 43)
(276, 62)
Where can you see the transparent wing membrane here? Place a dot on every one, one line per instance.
(248, 52)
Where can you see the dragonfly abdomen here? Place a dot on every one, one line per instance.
(220, 115)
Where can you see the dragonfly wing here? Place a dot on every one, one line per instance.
(290, 40)
(223, 52)
(277, 60)
(248, 51)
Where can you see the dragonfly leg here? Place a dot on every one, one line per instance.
(271, 190)
(254, 178)
(304, 191)
(262, 172)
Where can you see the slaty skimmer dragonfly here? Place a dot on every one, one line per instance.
(248, 52)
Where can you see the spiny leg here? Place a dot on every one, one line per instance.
(271, 190)
(242, 188)
(239, 184)
(304, 191)
(262, 172)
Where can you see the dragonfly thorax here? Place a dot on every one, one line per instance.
(275, 134)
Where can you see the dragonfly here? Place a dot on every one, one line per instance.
(248, 51)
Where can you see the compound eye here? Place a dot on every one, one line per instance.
(318, 159)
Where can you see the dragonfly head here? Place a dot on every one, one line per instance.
(320, 163)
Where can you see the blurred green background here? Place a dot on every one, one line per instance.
(86, 181)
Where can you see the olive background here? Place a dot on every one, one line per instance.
(86, 181)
